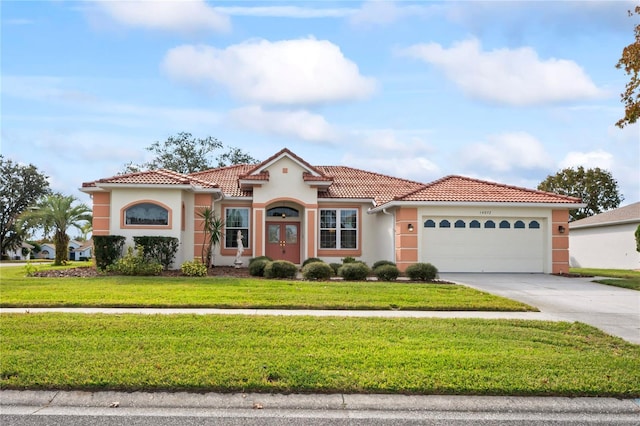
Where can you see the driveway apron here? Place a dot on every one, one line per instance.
(612, 309)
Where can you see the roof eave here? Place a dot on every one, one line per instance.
(398, 203)
(576, 225)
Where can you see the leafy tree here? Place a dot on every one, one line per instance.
(20, 187)
(630, 62)
(186, 154)
(56, 214)
(596, 187)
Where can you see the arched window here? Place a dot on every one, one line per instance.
(429, 223)
(460, 224)
(146, 214)
(490, 224)
(474, 224)
(519, 224)
(534, 224)
(445, 224)
(283, 212)
(505, 224)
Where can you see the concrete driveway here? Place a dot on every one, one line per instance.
(612, 309)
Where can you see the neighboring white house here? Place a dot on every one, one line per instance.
(77, 250)
(19, 252)
(606, 240)
(285, 208)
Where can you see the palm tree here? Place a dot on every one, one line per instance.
(212, 227)
(56, 213)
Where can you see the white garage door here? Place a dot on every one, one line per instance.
(457, 244)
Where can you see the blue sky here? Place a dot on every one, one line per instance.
(504, 91)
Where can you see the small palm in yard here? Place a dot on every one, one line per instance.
(212, 226)
(55, 214)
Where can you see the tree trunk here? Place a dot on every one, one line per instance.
(61, 241)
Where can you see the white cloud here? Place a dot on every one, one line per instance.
(508, 76)
(292, 72)
(506, 152)
(591, 159)
(416, 168)
(298, 124)
(183, 16)
(285, 11)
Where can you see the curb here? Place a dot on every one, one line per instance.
(373, 402)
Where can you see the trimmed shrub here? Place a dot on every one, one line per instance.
(311, 260)
(422, 272)
(108, 249)
(256, 266)
(158, 249)
(194, 268)
(387, 272)
(348, 259)
(135, 264)
(335, 267)
(254, 259)
(382, 263)
(280, 269)
(355, 271)
(317, 271)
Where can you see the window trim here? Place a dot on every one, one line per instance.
(337, 251)
(223, 246)
(123, 212)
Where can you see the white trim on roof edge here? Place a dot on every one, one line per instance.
(473, 203)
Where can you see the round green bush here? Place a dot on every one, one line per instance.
(422, 272)
(387, 272)
(253, 259)
(194, 268)
(335, 267)
(356, 271)
(382, 263)
(280, 269)
(256, 268)
(317, 271)
(311, 260)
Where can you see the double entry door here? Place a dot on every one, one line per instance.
(283, 241)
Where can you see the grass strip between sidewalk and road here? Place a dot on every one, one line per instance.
(16, 290)
(307, 354)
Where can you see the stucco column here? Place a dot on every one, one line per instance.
(406, 237)
(560, 241)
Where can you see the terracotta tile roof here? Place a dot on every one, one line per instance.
(630, 213)
(464, 189)
(153, 177)
(347, 182)
(227, 178)
(354, 183)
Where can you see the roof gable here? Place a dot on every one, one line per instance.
(153, 177)
(463, 189)
(259, 169)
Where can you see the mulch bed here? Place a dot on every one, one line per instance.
(89, 271)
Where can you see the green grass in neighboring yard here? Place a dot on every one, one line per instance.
(308, 354)
(621, 277)
(220, 292)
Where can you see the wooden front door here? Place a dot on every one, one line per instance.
(283, 241)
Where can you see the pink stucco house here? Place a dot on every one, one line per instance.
(287, 208)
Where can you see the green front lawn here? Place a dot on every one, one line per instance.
(620, 277)
(308, 354)
(16, 290)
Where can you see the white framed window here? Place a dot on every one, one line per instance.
(236, 219)
(339, 229)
